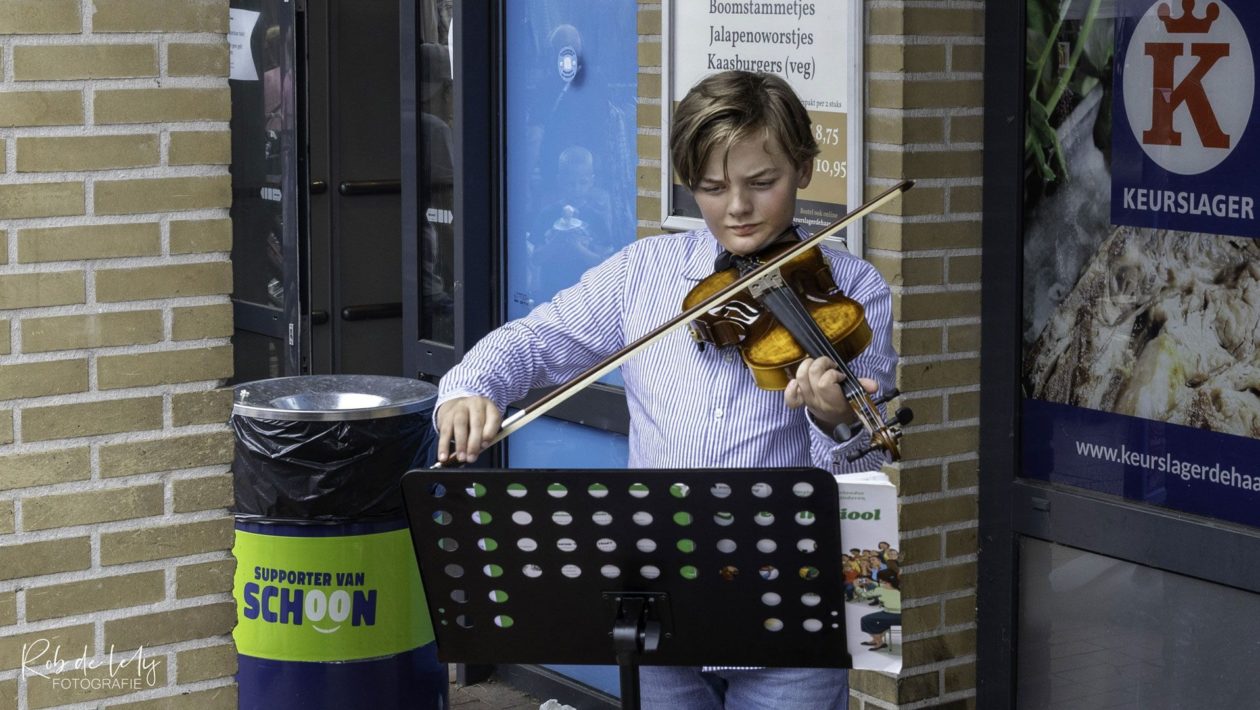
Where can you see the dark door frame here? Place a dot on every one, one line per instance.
(1012, 507)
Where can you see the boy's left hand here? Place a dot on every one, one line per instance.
(816, 386)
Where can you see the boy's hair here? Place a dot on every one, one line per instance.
(728, 107)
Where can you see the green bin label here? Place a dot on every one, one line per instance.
(328, 598)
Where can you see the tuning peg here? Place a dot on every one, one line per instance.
(903, 415)
(888, 396)
(844, 432)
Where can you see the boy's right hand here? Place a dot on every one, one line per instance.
(471, 422)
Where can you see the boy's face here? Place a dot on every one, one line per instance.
(752, 201)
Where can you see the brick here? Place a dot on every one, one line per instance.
(200, 236)
(6, 337)
(117, 592)
(46, 694)
(201, 59)
(70, 153)
(42, 379)
(960, 678)
(167, 367)
(69, 421)
(650, 86)
(220, 698)
(964, 269)
(936, 649)
(166, 627)
(153, 282)
(649, 147)
(927, 21)
(96, 506)
(963, 338)
(911, 341)
(206, 493)
(42, 199)
(879, 685)
(212, 407)
(920, 480)
(904, 130)
(649, 21)
(955, 303)
(934, 513)
(32, 559)
(966, 58)
(966, 198)
(9, 694)
(918, 236)
(964, 405)
(204, 578)
(95, 330)
(963, 474)
(941, 442)
(199, 322)
(6, 426)
(162, 195)
(8, 609)
(940, 373)
(161, 16)
(84, 61)
(960, 611)
(201, 148)
(921, 619)
(925, 164)
(648, 115)
(161, 105)
(45, 468)
(962, 542)
(913, 688)
(905, 58)
(34, 17)
(168, 453)
(649, 56)
(910, 94)
(71, 640)
(166, 541)
(41, 108)
(927, 410)
(648, 206)
(53, 288)
(205, 663)
(98, 241)
(7, 519)
(966, 129)
(939, 580)
(916, 550)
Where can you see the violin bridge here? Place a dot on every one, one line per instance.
(769, 282)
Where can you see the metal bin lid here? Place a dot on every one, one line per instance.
(331, 397)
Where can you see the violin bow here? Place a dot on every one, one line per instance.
(557, 396)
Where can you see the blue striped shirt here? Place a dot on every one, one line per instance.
(689, 408)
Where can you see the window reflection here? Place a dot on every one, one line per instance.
(436, 172)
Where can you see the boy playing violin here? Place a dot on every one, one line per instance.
(741, 142)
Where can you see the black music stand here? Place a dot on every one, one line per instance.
(731, 567)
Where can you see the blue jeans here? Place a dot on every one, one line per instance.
(671, 688)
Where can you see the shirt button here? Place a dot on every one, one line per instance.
(717, 413)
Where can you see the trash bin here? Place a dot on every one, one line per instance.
(330, 610)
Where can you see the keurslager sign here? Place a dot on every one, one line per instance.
(1184, 143)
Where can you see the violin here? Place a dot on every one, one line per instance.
(794, 312)
(884, 435)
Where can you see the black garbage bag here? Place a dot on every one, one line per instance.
(327, 471)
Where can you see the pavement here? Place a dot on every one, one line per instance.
(490, 694)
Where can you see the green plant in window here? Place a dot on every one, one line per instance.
(1065, 59)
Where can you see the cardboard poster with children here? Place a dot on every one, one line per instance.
(872, 570)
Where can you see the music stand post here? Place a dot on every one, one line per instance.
(686, 567)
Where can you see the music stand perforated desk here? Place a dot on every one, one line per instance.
(686, 567)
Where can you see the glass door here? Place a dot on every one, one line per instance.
(1119, 488)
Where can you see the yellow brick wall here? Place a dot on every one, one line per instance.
(924, 122)
(114, 345)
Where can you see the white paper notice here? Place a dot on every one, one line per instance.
(240, 58)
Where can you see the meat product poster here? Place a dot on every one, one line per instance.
(1141, 283)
